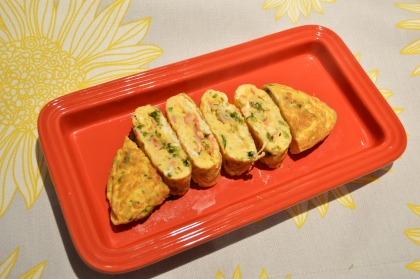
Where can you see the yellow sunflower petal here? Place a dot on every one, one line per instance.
(321, 203)
(414, 208)
(100, 30)
(282, 10)
(412, 24)
(316, 5)
(413, 235)
(386, 93)
(65, 13)
(416, 71)
(294, 12)
(40, 18)
(131, 33)
(5, 131)
(343, 196)
(412, 48)
(138, 55)
(305, 7)
(415, 7)
(373, 75)
(299, 213)
(45, 18)
(398, 110)
(83, 17)
(237, 274)
(4, 35)
(28, 179)
(2, 23)
(289, 276)
(13, 17)
(31, 17)
(7, 265)
(219, 275)
(358, 56)
(270, 4)
(415, 266)
(35, 272)
(8, 148)
(263, 274)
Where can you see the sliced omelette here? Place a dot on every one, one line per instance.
(160, 143)
(268, 128)
(134, 187)
(310, 119)
(229, 128)
(196, 138)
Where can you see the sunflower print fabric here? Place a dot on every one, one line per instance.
(294, 8)
(48, 49)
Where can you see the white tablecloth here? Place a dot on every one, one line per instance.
(369, 228)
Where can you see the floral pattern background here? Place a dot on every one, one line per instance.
(414, 235)
(50, 48)
(293, 8)
(411, 24)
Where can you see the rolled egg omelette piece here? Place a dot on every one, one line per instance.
(268, 128)
(229, 128)
(160, 143)
(310, 119)
(196, 138)
(134, 187)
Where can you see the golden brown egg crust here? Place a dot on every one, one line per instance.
(310, 120)
(134, 187)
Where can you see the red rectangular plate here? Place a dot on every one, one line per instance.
(81, 132)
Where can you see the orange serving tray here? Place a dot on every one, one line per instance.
(81, 132)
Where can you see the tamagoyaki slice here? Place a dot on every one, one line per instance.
(196, 138)
(268, 128)
(310, 120)
(161, 145)
(134, 187)
(229, 128)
